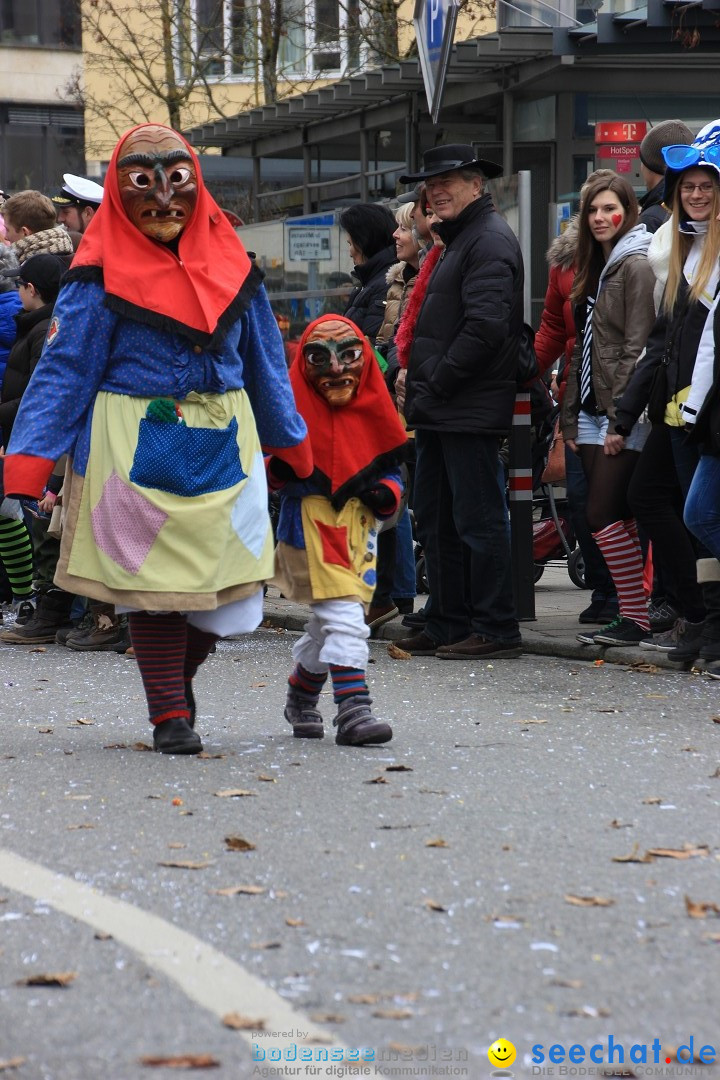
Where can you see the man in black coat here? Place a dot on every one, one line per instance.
(460, 393)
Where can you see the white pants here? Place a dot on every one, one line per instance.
(335, 633)
(237, 617)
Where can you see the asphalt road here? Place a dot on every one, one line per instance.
(407, 902)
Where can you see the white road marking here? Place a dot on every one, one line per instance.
(203, 973)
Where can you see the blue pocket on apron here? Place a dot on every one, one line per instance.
(186, 460)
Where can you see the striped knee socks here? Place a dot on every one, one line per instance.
(160, 644)
(347, 682)
(16, 553)
(620, 548)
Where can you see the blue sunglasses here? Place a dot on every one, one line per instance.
(680, 156)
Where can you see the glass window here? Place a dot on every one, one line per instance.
(292, 54)
(243, 36)
(326, 55)
(40, 22)
(210, 35)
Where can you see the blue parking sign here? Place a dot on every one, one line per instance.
(434, 22)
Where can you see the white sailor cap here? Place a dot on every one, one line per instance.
(76, 189)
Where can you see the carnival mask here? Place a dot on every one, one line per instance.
(158, 182)
(334, 359)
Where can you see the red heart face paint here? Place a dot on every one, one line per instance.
(616, 219)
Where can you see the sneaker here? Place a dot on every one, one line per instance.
(692, 644)
(378, 614)
(588, 636)
(356, 725)
(684, 634)
(23, 610)
(620, 632)
(712, 668)
(600, 611)
(418, 645)
(478, 647)
(302, 712)
(662, 616)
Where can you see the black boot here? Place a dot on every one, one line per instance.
(51, 614)
(356, 725)
(175, 736)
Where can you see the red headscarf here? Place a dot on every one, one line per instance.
(355, 444)
(199, 293)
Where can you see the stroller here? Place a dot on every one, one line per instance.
(553, 537)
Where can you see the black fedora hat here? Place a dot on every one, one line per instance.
(442, 159)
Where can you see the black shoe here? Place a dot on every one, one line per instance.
(416, 621)
(404, 604)
(600, 612)
(51, 614)
(620, 632)
(356, 725)
(662, 616)
(175, 736)
(478, 647)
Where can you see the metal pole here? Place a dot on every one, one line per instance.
(521, 512)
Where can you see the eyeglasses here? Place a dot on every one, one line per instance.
(680, 156)
(690, 189)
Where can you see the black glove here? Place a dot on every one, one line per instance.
(279, 473)
(379, 499)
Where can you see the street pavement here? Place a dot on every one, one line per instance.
(534, 857)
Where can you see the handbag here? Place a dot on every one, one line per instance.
(554, 470)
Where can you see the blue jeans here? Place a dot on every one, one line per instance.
(465, 537)
(702, 506)
(404, 579)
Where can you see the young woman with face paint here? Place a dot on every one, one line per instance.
(660, 484)
(614, 312)
(164, 377)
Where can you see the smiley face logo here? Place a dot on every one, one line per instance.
(501, 1053)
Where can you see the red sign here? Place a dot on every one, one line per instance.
(620, 131)
(618, 151)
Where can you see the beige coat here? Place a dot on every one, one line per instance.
(397, 297)
(623, 317)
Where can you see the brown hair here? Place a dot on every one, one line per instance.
(30, 209)
(590, 259)
(681, 244)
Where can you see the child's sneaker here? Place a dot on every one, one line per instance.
(23, 610)
(587, 637)
(356, 725)
(302, 712)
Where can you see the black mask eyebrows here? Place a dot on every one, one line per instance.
(151, 160)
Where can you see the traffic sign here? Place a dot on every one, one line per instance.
(434, 22)
(307, 243)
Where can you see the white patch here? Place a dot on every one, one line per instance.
(249, 517)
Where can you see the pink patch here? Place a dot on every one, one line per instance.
(125, 524)
(616, 219)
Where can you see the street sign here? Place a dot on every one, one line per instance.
(434, 22)
(307, 243)
(620, 131)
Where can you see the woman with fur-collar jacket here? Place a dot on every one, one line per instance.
(555, 337)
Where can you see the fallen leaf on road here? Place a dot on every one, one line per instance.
(700, 910)
(365, 999)
(242, 1023)
(431, 791)
(238, 843)
(437, 842)
(45, 730)
(140, 746)
(233, 793)
(182, 1061)
(398, 768)
(589, 1011)
(433, 905)
(392, 1014)
(186, 864)
(73, 828)
(588, 901)
(716, 719)
(532, 720)
(102, 935)
(711, 937)
(642, 665)
(257, 685)
(377, 780)
(12, 1063)
(396, 653)
(653, 800)
(82, 721)
(116, 746)
(239, 890)
(37, 650)
(633, 856)
(176, 847)
(687, 851)
(608, 710)
(265, 945)
(267, 779)
(294, 922)
(60, 978)
(208, 757)
(615, 824)
(328, 1018)
(715, 775)
(569, 984)
(689, 749)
